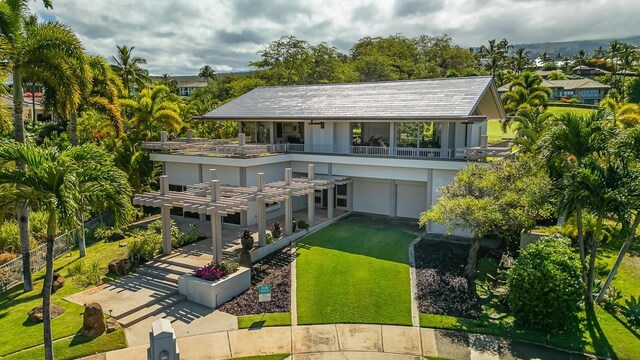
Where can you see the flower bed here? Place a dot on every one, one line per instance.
(274, 270)
(442, 287)
(220, 289)
(214, 271)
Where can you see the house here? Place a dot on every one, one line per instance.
(380, 147)
(187, 84)
(587, 91)
(588, 72)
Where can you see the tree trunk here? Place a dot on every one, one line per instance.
(470, 269)
(73, 129)
(23, 209)
(588, 300)
(46, 289)
(581, 242)
(82, 245)
(623, 252)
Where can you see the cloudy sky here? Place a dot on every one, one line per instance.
(180, 36)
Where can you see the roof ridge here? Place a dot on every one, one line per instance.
(362, 83)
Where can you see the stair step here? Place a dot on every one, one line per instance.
(157, 300)
(151, 309)
(159, 274)
(171, 266)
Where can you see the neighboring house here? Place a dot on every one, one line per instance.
(186, 84)
(29, 104)
(588, 72)
(587, 91)
(398, 142)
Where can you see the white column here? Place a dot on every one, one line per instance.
(216, 237)
(311, 198)
(166, 217)
(272, 135)
(392, 138)
(288, 206)
(330, 201)
(262, 216)
(444, 139)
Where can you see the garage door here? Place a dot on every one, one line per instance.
(371, 196)
(412, 200)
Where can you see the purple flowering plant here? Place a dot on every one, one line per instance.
(213, 271)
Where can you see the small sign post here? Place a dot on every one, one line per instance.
(264, 293)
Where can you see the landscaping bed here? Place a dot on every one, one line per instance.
(442, 287)
(274, 270)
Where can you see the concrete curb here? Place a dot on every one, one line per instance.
(415, 311)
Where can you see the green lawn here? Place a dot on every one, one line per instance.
(15, 304)
(263, 320)
(494, 132)
(352, 273)
(559, 109)
(628, 277)
(76, 347)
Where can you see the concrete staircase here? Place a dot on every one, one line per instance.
(162, 273)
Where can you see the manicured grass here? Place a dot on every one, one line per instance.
(15, 304)
(494, 132)
(598, 333)
(628, 277)
(264, 320)
(352, 273)
(559, 109)
(76, 347)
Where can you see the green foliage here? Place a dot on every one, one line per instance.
(144, 246)
(631, 310)
(556, 75)
(269, 238)
(180, 239)
(545, 285)
(84, 276)
(526, 92)
(303, 225)
(10, 237)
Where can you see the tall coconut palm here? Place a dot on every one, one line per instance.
(106, 88)
(59, 182)
(153, 111)
(627, 115)
(46, 54)
(527, 91)
(613, 53)
(570, 141)
(530, 124)
(545, 58)
(580, 57)
(521, 60)
(495, 55)
(128, 67)
(207, 72)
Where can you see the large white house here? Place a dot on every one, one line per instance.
(397, 142)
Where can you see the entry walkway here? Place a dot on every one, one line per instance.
(350, 341)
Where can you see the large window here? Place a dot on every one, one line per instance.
(589, 93)
(418, 134)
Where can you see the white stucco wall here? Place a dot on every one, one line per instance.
(342, 133)
(411, 199)
(182, 174)
(442, 178)
(272, 172)
(229, 175)
(371, 196)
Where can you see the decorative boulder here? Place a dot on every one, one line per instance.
(93, 323)
(58, 282)
(120, 267)
(112, 325)
(36, 315)
(116, 236)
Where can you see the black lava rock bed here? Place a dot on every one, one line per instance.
(274, 270)
(442, 287)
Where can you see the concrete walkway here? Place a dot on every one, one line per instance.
(349, 341)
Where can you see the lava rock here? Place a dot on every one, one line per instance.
(116, 235)
(58, 282)
(112, 325)
(120, 267)
(36, 315)
(93, 323)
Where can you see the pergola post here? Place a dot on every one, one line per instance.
(288, 206)
(216, 221)
(165, 211)
(311, 198)
(262, 216)
(330, 201)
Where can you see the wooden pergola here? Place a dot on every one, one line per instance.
(218, 200)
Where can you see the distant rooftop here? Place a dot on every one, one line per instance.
(448, 98)
(566, 84)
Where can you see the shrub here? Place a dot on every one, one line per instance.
(215, 271)
(6, 257)
(10, 237)
(144, 246)
(303, 225)
(38, 226)
(180, 239)
(545, 285)
(86, 276)
(269, 238)
(610, 300)
(631, 310)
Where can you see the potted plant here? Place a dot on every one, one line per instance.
(246, 239)
(276, 230)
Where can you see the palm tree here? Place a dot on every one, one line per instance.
(59, 183)
(599, 53)
(128, 67)
(495, 54)
(521, 60)
(580, 57)
(530, 124)
(169, 82)
(545, 58)
(105, 91)
(157, 109)
(569, 142)
(48, 54)
(207, 72)
(626, 114)
(615, 48)
(526, 91)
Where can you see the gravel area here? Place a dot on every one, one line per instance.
(274, 270)
(442, 287)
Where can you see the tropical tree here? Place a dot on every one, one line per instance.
(494, 55)
(502, 199)
(154, 110)
(169, 82)
(49, 54)
(628, 115)
(556, 75)
(60, 183)
(545, 58)
(106, 88)
(581, 57)
(520, 60)
(284, 61)
(207, 72)
(530, 124)
(129, 68)
(525, 92)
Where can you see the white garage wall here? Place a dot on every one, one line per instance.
(183, 174)
(228, 175)
(412, 199)
(272, 172)
(372, 196)
(380, 172)
(442, 178)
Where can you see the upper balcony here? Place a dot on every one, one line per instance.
(238, 148)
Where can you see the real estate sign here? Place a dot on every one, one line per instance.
(264, 293)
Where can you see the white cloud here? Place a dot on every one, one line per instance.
(180, 36)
